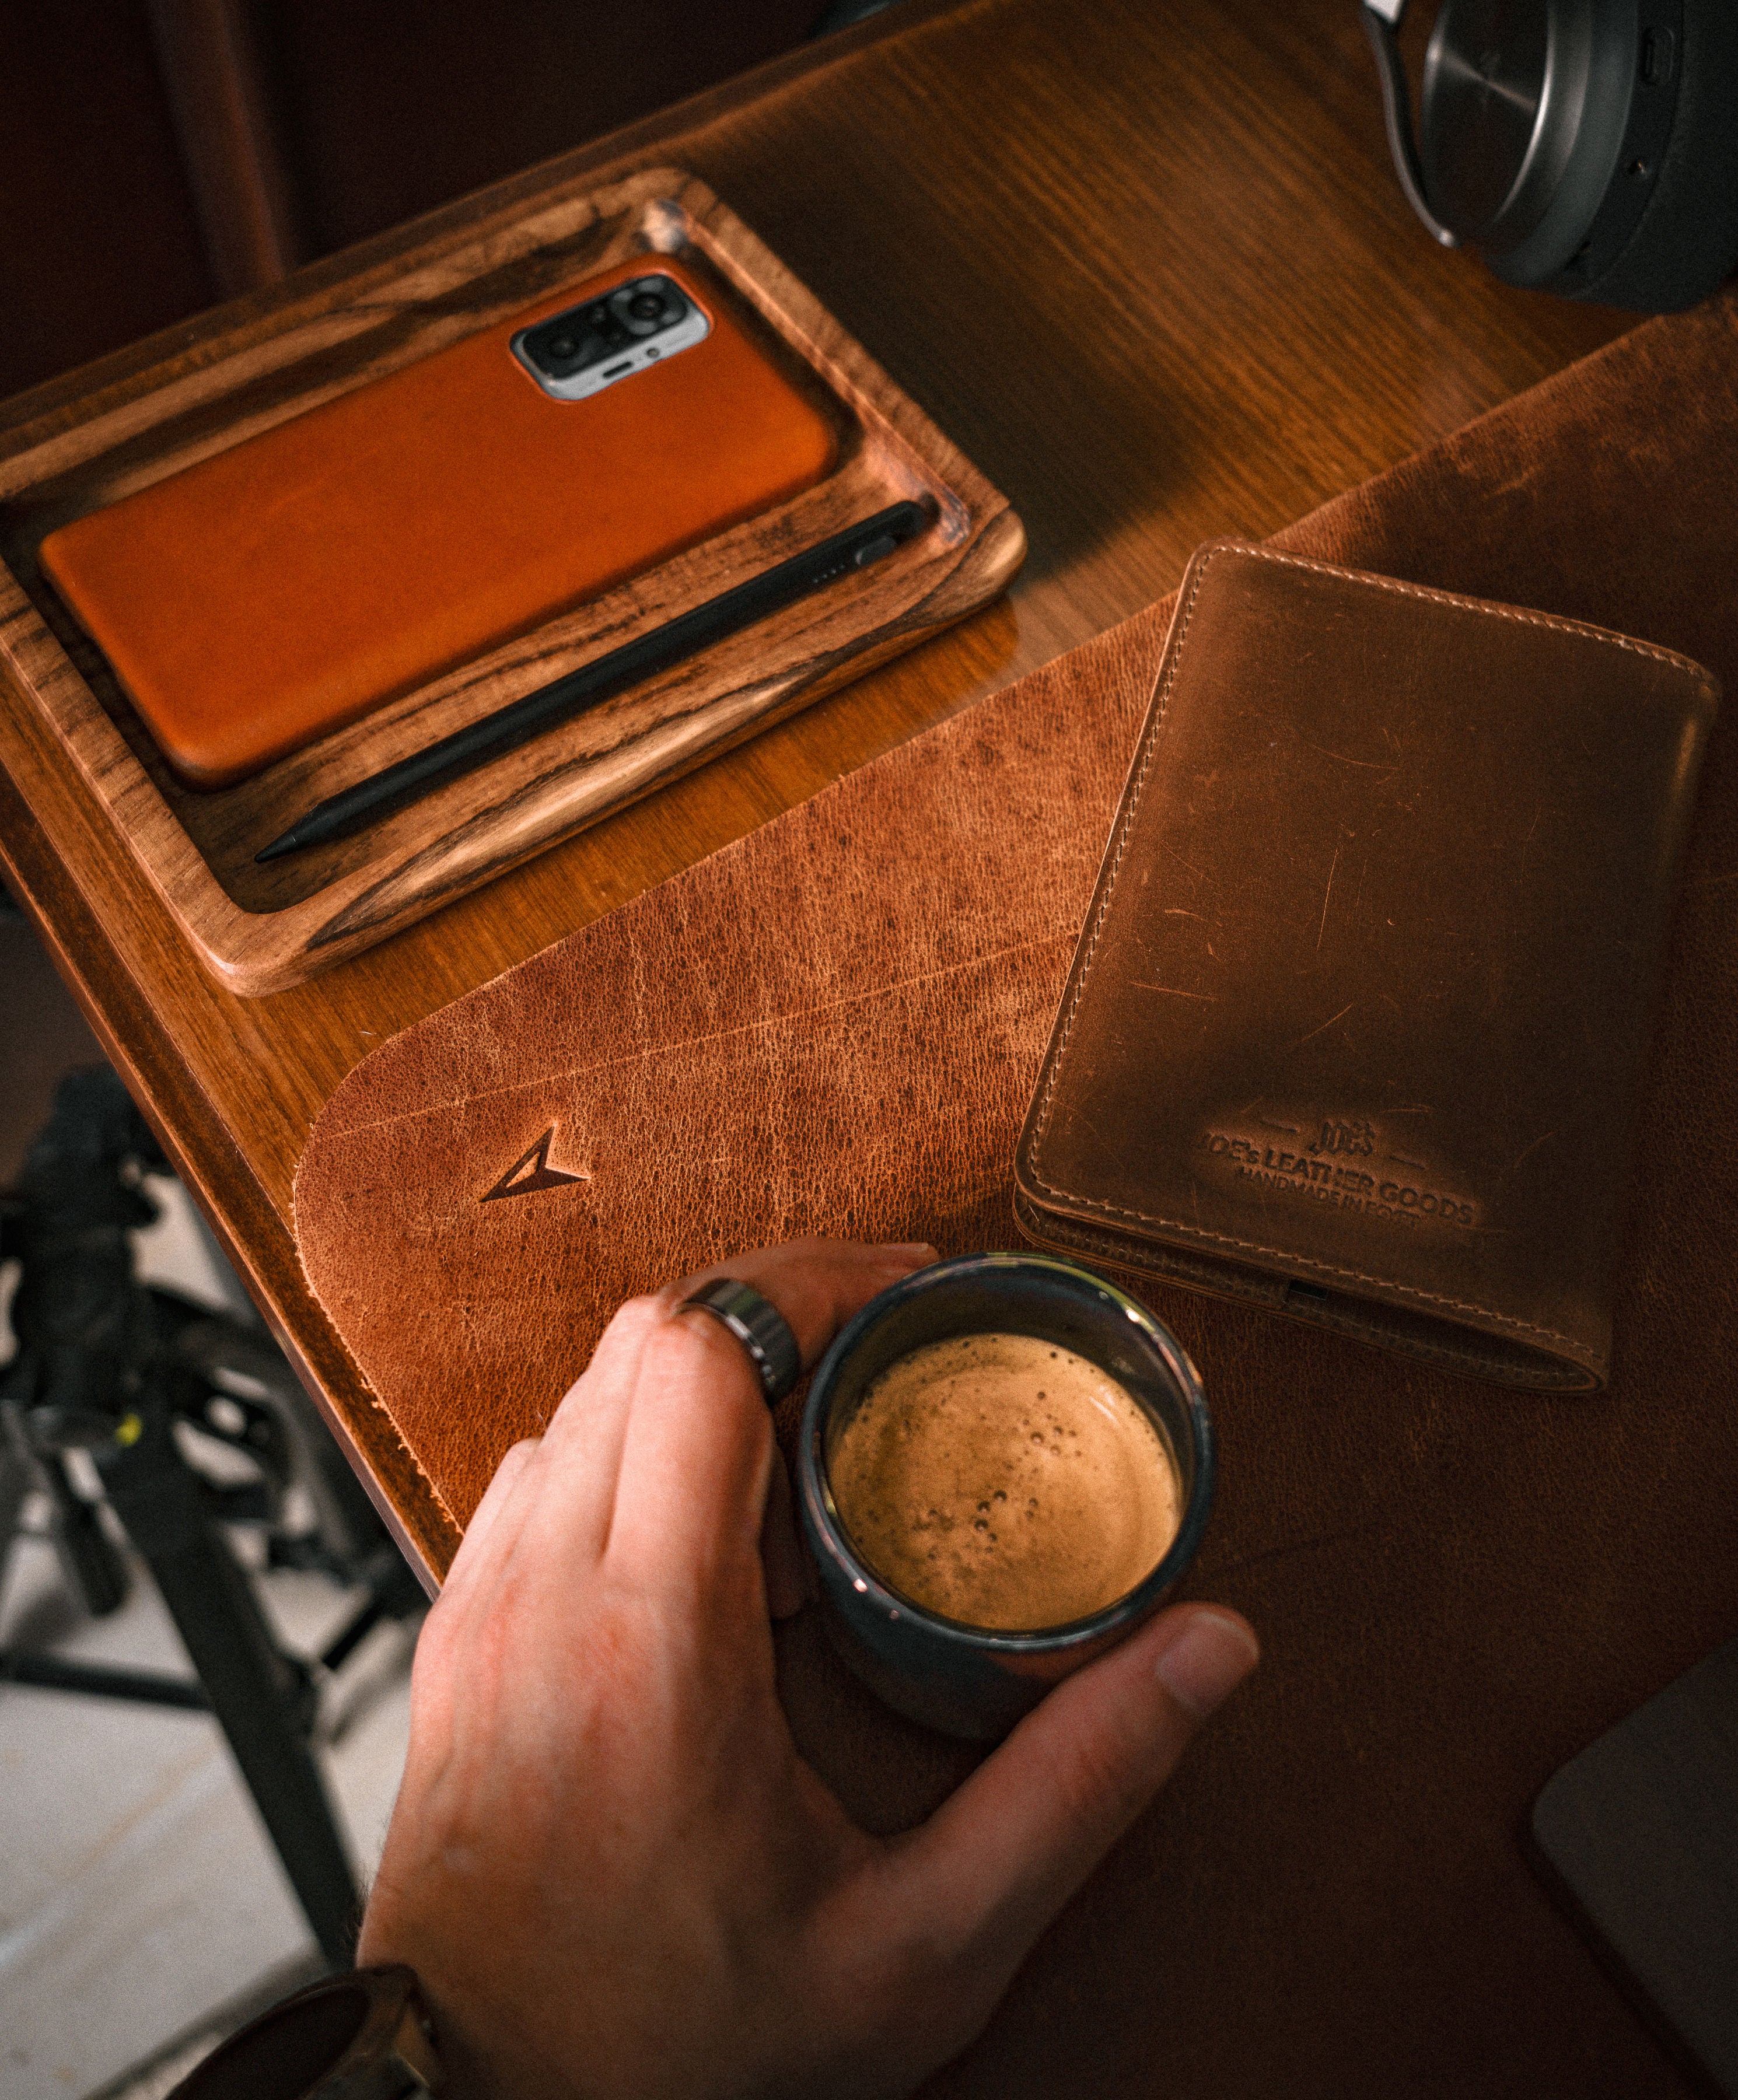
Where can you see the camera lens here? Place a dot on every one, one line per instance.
(562, 345)
(644, 307)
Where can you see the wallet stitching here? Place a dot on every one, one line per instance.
(1200, 1233)
(1479, 604)
(1229, 1239)
(1104, 1242)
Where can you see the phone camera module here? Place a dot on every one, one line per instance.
(635, 317)
(561, 347)
(601, 327)
(649, 306)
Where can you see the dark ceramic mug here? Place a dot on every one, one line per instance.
(967, 1680)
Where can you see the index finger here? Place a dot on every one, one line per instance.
(817, 1285)
(693, 1474)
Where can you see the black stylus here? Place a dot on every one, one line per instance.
(522, 719)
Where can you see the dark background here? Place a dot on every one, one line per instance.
(160, 155)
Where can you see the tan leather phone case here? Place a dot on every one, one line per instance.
(1357, 1018)
(252, 602)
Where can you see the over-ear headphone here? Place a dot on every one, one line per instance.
(1584, 147)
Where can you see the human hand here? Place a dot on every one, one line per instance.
(612, 1872)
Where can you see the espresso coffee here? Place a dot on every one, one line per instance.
(1003, 1481)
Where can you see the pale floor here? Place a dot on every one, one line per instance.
(142, 1911)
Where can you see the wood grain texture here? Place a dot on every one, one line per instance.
(262, 929)
(1146, 266)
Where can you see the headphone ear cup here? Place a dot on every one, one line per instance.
(1685, 241)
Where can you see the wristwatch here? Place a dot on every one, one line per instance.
(359, 2036)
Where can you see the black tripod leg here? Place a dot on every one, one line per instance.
(257, 1693)
(17, 1478)
(90, 1562)
(92, 1565)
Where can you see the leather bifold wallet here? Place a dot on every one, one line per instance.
(1360, 1013)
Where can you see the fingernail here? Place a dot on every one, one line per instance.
(921, 1249)
(1207, 1661)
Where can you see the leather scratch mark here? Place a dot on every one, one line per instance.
(1171, 991)
(1333, 871)
(1200, 875)
(1328, 1023)
(1369, 765)
(1527, 1151)
(569, 1072)
(1533, 829)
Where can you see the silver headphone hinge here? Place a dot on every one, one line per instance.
(1382, 19)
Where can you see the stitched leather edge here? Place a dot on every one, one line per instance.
(1430, 1299)
(1174, 651)
(1158, 1260)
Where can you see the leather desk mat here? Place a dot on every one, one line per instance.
(834, 1025)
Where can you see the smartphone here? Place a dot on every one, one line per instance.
(261, 598)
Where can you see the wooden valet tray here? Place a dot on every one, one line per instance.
(261, 929)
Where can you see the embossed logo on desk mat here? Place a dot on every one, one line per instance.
(517, 1181)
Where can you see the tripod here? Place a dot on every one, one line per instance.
(111, 1367)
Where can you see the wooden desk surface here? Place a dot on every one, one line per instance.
(1145, 262)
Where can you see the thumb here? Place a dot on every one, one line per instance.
(1001, 1855)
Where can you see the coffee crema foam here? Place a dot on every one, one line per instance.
(1005, 1482)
